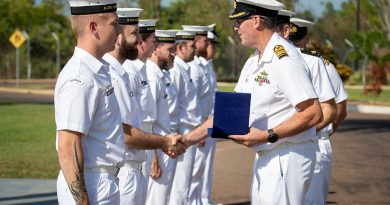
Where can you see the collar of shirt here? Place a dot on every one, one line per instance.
(269, 50)
(154, 67)
(203, 61)
(181, 63)
(88, 59)
(139, 64)
(114, 64)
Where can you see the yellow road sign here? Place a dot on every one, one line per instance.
(17, 39)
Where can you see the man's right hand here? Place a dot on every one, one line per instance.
(174, 145)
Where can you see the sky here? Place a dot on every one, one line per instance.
(314, 5)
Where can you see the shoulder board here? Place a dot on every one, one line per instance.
(280, 51)
(312, 53)
(326, 62)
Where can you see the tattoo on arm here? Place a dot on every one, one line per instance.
(77, 187)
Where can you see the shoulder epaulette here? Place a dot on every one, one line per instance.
(312, 53)
(280, 51)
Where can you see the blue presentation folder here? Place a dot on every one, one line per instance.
(231, 114)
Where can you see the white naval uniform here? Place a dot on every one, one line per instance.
(85, 102)
(202, 153)
(137, 71)
(159, 189)
(319, 186)
(130, 176)
(282, 171)
(209, 148)
(189, 116)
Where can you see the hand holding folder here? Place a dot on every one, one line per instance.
(231, 114)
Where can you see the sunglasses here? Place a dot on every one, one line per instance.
(239, 21)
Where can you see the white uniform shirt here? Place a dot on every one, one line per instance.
(157, 86)
(143, 92)
(188, 109)
(277, 85)
(213, 80)
(202, 86)
(319, 76)
(128, 104)
(85, 102)
(172, 98)
(341, 93)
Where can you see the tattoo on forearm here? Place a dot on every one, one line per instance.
(77, 187)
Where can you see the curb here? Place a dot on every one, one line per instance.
(369, 109)
(27, 91)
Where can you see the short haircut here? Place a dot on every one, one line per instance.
(78, 22)
(144, 36)
(268, 22)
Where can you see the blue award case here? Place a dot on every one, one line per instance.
(231, 114)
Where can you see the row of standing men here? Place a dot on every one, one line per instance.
(297, 101)
(156, 83)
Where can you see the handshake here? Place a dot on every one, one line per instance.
(175, 145)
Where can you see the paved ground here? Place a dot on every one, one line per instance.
(360, 175)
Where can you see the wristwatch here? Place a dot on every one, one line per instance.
(272, 136)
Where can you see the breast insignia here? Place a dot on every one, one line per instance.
(280, 51)
(326, 62)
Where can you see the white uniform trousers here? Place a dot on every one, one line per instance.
(102, 188)
(199, 174)
(319, 186)
(159, 189)
(183, 173)
(282, 176)
(208, 172)
(131, 187)
(148, 128)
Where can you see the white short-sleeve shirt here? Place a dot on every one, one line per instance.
(338, 86)
(158, 88)
(188, 109)
(128, 104)
(277, 84)
(319, 76)
(85, 102)
(173, 102)
(202, 85)
(143, 93)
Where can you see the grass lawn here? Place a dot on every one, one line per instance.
(354, 94)
(27, 148)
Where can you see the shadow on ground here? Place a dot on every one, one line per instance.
(32, 199)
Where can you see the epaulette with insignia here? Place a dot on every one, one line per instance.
(326, 62)
(280, 51)
(312, 53)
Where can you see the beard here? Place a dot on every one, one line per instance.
(128, 50)
(166, 64)
(201, 52)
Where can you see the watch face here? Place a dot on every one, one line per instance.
(272, 138)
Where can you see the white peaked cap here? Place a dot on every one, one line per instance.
(147, 22)
(85, 7)
(128, 12)
(166, 33)
(267, 4)
(284, 12)
(301, 22)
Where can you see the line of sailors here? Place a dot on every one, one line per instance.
(163, 83)
(119, 95)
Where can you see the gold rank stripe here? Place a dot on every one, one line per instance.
(237, 15)
(280, 51)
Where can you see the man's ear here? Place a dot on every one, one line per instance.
(119, 40)
(92, 26)
(286, 31)
(256, 22)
